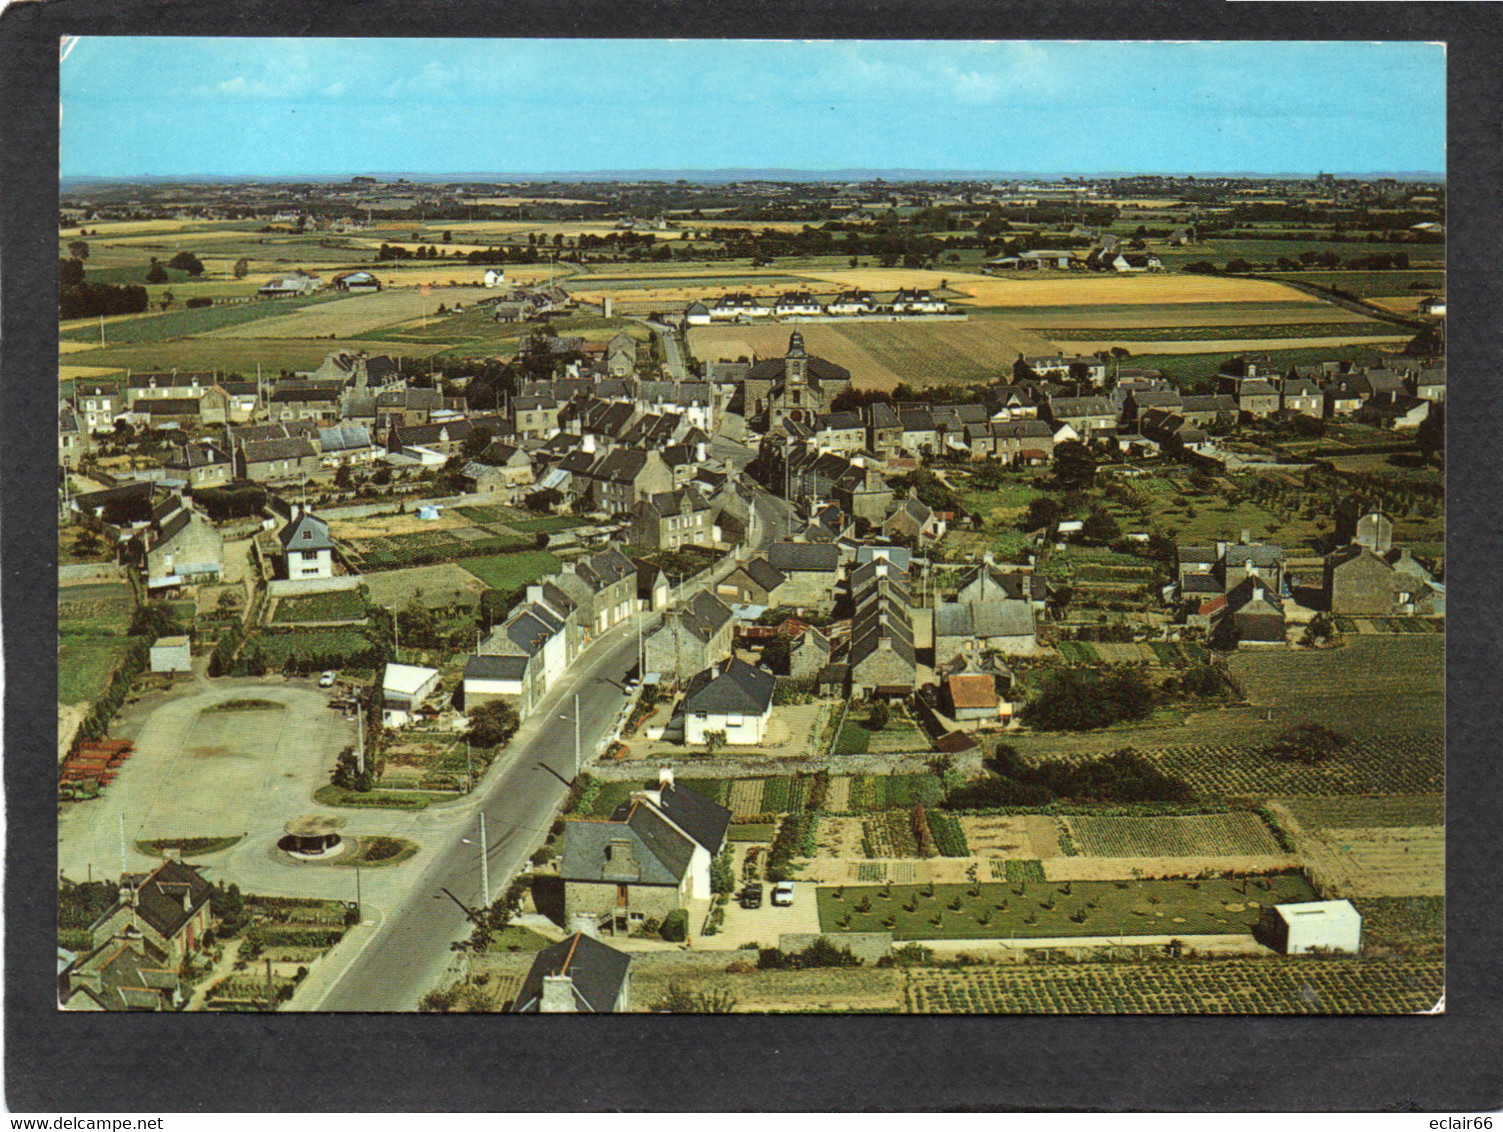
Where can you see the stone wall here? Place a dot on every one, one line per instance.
(85, 573)
(292, 587)
(655, 901)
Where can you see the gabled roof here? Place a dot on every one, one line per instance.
(304, 391)
(791, 556)
(596, 971)
(305, 533)
(764, 573)
(160, 897)
(703, 820)
(973, 690)
(984, 619)
(261, 451)
(663, 852)
(488, 667)
(739, 688)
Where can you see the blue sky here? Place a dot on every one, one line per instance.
(177, 106)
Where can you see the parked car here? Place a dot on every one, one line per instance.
(751, 895)
(782, 895)
(326, 680)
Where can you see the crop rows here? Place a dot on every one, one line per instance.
(1206, 835)
(949, 837)
(889, 834)
(1399, 765)
(1393, 985)
(1368, 813)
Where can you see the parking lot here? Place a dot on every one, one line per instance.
(199, 770)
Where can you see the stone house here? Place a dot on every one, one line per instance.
(754, 582)
(691, 638)
(810, 569)
(168, 907)
(653, 855)
(184, 548)
(672, 519)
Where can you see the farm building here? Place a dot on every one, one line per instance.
(1327, 925)
(171, 654)
(405, 686)
(489, 678)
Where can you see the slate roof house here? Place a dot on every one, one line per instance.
(881, 658)
(734, 698)
(273, 461)
(671, 519)
(182, 548)
(810, 569)
(122, 973)
(1249, 613)
(691, 638)
(755, 582)
(987, 582)
(169, 907)
(653, 855)
(307, 549)
(305, 401)
(577, 975)
(969, 629)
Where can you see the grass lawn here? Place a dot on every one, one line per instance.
(1373, 284)
(84, 663)
(188, 846)
(1079, 908)
(378, 852)
(515, 938)
(854, 739)
(547, 523)
(508, 571)
(751, 831)
(339, 605)
(381, 799)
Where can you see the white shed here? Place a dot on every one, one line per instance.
(405, 686)
(1330, 925)
(171, 654)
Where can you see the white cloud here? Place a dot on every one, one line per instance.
(334, 90)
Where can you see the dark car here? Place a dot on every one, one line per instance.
(751, 895)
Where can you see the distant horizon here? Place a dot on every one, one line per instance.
(139, 106)
(734, 173)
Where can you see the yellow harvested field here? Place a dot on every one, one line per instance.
(1231, 345)
(1070, 289)
(463, 274)
(1139, 202)
(68, 373)
(1190, 314)
(76, 347)
(1399, 304)
(892, 278)
(880, 354)
(355, 315)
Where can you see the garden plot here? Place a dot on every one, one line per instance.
(839, 837)
(429, 760)
(1280, 985)
(1398, 765)
(998, 836)
(1205, 835)
(1393, 846)
(443, 584)
(387, 526)
(1384, 812)
(746, 798)
(1030, 909)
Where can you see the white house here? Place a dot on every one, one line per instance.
(489, 678)
(307, 547)
(405, 686)
(735, 699)
(495, 277)
(1330, 925)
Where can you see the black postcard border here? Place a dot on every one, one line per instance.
(90, 1063)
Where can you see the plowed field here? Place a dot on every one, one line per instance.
(1205, 835)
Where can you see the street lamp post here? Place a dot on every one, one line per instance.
(485, 866)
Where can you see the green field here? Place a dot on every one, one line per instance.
(1370, 284)
(340, 605)
(1034, 910)
(547, 523)
(183, 323)
(92, 624)
(508, 571)
(428, 547)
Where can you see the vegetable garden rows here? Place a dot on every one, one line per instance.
(1392, 985)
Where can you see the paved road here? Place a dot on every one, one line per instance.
(390, 962)
(673, 352)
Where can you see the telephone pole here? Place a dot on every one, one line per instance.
(485, 867)
(578, 762)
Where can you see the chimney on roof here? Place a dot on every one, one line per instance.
(665, 778)
(1246, 537)
(558, 995)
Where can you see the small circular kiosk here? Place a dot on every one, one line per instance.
(313, 837)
